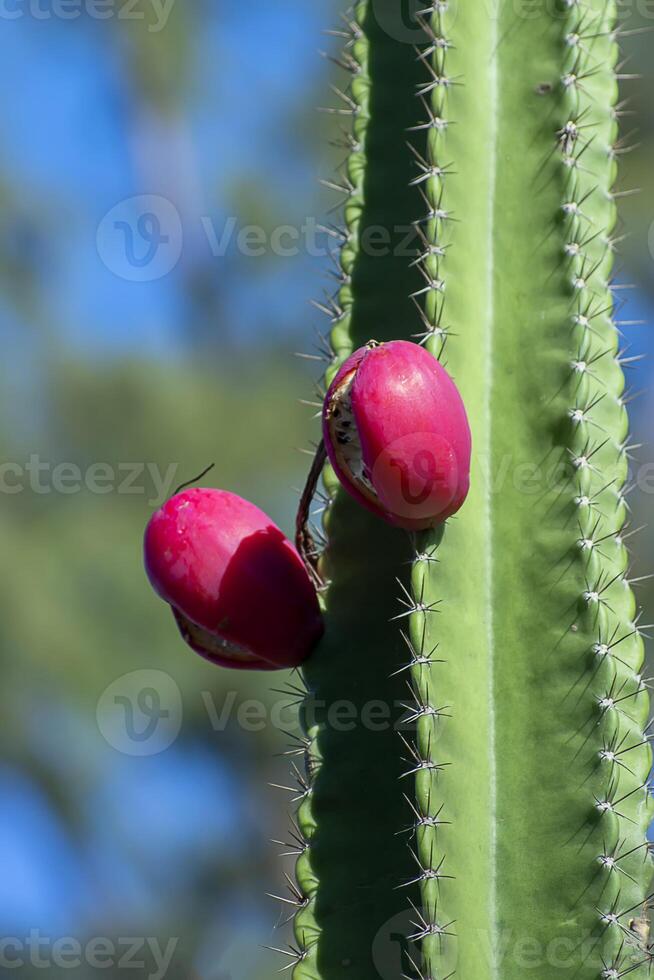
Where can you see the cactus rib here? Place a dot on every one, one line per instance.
(552, 392)
(354, 808)
(435, 929)
(531, 757)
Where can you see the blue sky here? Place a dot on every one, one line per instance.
(74, 141)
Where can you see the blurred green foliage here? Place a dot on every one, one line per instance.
(76, 610)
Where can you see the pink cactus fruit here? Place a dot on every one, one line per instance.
(397, 434)
(237, 587)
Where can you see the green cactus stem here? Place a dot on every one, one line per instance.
(528, 762)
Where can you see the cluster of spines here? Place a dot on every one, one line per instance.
(434, 169)
(434, 932)
(352, 107)
(598, 451)
(434, 929)
(297, 904)
(354, 103)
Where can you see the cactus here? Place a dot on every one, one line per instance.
(523, 782)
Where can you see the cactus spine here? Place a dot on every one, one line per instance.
(529, 751)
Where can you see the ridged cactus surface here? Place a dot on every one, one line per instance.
(501, 834)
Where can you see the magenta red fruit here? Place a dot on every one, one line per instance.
(237, 586)
(397, 434)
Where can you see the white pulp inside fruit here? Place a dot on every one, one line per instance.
(345, 437)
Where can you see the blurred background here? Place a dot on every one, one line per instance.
(159, 205)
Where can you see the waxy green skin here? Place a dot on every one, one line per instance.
(518, 795)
